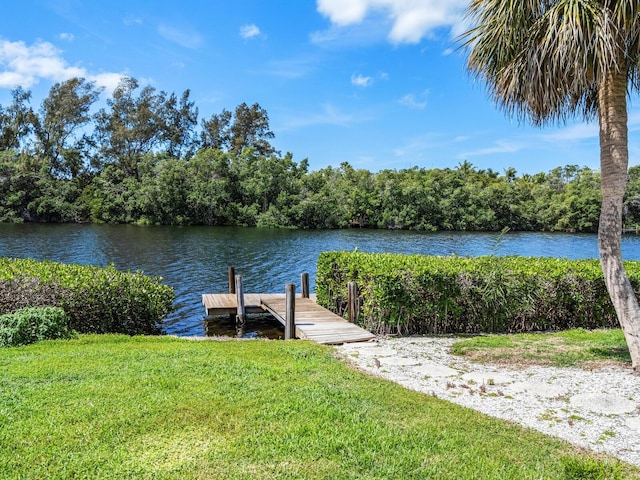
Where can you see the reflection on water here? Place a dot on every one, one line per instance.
(194, 260)
(256, 326)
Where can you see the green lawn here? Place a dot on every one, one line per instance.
(158, 407)
(571, 348)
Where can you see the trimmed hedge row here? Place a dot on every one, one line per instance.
(96, 300)
(415, 294)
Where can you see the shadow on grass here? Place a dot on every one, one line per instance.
(619, 354)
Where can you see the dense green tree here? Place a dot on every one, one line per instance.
(357, 193)
(115, 198)
(16, 121)
(250, 129)
(137, 124)
(55, 201)
(632, 198)
(130, 127)
(61, 131)
(156, 178)
(163, 193)
(210, 187)
(15, 184)
(318, 205)
(180, 122)
(247, 127)
(216, 132)
(545, 61)
(266, 186)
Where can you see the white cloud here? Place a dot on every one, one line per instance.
(185, 38)
(69, 37)
(361, 81)
(344, 12)
(410, 20)
(107, 80)
(12, 79)
(130, 21)
(249, 31)
(411, 101)
(356, 36)
(23, 65)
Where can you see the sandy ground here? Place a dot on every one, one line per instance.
(597, 409)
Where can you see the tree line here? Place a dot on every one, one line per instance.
(144, 158)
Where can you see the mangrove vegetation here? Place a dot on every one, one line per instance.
(145, 158)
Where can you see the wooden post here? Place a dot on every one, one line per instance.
(290, 313)
(241, 316)
(232, 275)
(352, 302)
(305, 285)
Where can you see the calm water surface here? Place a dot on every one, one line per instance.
(194, 260)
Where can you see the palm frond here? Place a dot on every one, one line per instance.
(543, 60)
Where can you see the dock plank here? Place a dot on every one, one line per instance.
(226, 303)
(313, 321)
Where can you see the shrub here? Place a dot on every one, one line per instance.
(32, 324)
(423, 294)
(96, 300)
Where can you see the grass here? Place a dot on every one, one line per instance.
(118, 407)
(571, 348)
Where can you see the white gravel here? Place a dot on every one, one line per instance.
(596, 409)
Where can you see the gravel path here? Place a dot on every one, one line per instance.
(596, 409)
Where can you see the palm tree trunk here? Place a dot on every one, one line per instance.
(614, 159)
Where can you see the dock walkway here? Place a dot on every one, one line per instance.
(312, 321)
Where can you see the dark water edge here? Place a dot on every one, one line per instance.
(194, 260)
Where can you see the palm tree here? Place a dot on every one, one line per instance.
(547, 60)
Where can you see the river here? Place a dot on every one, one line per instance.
(194, 260)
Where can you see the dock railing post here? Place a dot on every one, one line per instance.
(241, 315)
(304, 280)
(232, 275)
(352, 301)
(290, 313)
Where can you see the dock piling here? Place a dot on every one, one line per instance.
(352, 301)
(290, 319)
(241, 316)
(232, 275)
(232, 289)
(304, 280)
(314, 321)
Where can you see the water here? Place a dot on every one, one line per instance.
(194, 260)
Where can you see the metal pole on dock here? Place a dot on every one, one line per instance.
(352, 301)
(241, 316)
(304, 280)
(290, 313)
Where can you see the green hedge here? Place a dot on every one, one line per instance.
(414, 294)
(97, 300)
(32, 324)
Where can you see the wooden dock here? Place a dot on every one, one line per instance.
(312, 321)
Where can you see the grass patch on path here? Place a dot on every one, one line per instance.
(571, 348)
(105, 407)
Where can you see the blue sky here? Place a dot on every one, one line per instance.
(376, 83)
